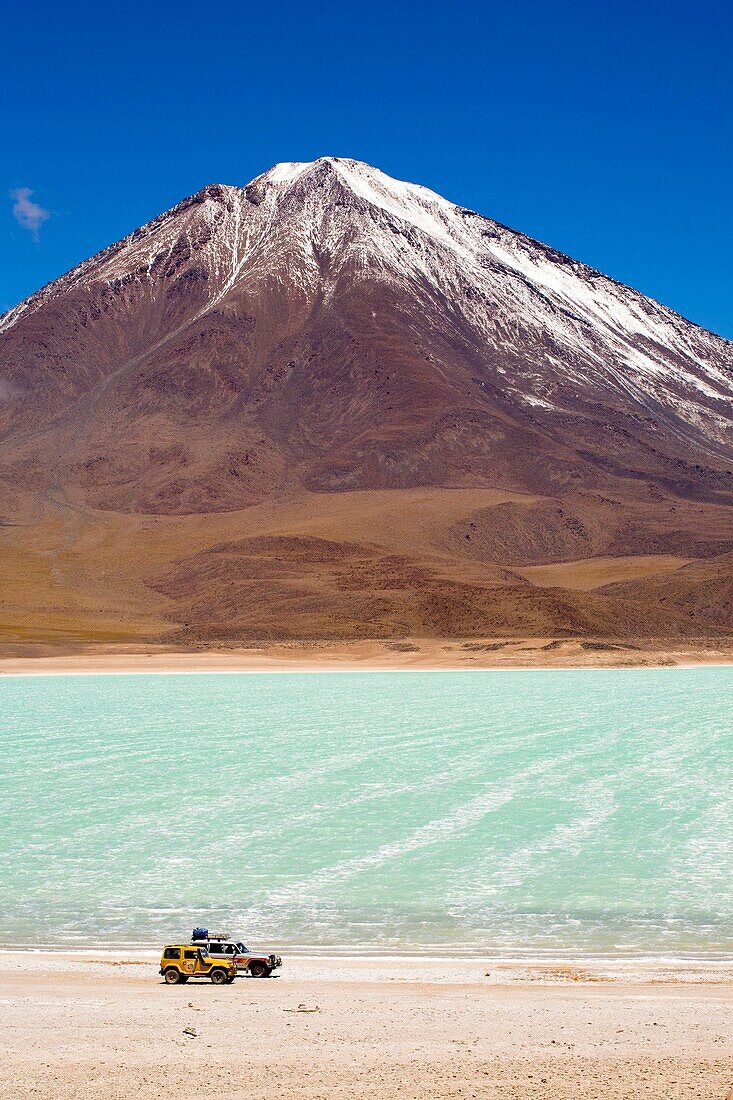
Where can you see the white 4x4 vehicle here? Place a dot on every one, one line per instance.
(219, 946)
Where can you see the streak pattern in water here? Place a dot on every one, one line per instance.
(507, 812)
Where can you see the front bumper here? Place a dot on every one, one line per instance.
(273, 961)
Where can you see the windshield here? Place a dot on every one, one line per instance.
(241, 948)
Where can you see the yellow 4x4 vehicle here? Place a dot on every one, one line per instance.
(179, 962)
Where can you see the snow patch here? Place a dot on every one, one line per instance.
(287, 172)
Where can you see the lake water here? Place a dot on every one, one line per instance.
(505, 813)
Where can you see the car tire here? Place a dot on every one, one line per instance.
(171, 976)
(218, 977)
(259, 970)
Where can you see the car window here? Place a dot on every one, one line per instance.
(241, 948)
(189, 954)
(172, 953)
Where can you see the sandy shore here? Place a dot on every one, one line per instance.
(420, 653)
(82, 1027)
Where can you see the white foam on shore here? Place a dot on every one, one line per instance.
(343, 954)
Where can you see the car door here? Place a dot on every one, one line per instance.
(190, 956)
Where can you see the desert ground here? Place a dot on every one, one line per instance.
(374, 655)
(346, 580)
(77, 1027)
(356, 572)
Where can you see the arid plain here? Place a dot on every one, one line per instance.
(371, 1027)
(364, 577)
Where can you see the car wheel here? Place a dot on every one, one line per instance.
(218, 977)
(171, 976)
(258, 970)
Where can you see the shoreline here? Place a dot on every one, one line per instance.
(414, 655)
(303, 953)
(512, 969)
(546, 970)
(316, 670)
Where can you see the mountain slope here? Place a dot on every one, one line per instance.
(328, 330)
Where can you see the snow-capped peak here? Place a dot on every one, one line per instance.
(551, 326)
(408, 201)
(514, 289)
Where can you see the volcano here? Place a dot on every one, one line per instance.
(330, 404)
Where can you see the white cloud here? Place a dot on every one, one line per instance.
(26, 212)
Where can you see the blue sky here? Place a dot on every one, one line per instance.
(604, 130)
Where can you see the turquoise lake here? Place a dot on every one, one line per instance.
(506, 813)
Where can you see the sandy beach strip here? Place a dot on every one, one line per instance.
(421, 654)
(82, 1026)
